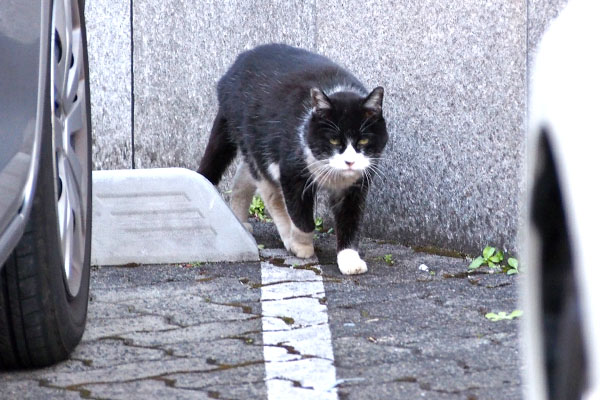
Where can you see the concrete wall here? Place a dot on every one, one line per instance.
(455, 75)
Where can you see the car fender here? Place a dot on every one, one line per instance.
(564, 106)
(30, 146)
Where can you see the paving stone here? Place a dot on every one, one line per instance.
(110, 352)
(403, 388)
(394, 334)
(129, 372)
(253, 390)
(144, 390)
(209, 331)
(240, 375)
(412, 334)
(126, 326)
(105, 310)
(31, 390)
(225, 353)
(184, 307)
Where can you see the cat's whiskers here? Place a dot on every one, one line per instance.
(331, 124)
(375, 169)
(315, 164)
(366, 124)
(317, 170)
(330, 130)
(367, 175)
(327, 176)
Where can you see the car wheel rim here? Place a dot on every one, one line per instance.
(70, 137)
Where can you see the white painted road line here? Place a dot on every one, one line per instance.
(296, 336)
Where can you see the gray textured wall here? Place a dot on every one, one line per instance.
(455, 74)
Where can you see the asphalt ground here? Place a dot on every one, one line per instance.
(194, 331)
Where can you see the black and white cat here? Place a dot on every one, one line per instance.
(302, 123)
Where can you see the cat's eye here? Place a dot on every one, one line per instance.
(363, 142)
(334, 142)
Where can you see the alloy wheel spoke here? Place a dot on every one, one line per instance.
(64, 30)
(74, 119)
(78, 225)
(74, 170)
(73, 192)
(59, 139)
(74, 74)
(64, 211)
(58, 48)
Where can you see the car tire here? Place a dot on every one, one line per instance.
(44, 284)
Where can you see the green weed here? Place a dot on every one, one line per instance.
(502, 315)
(493, 258)
(257, 209)
(387, 258)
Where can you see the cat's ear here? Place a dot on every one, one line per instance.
(372, 104)
(320, 102)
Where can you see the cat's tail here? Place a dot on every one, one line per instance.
(219, 153)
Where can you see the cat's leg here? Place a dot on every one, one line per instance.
(301, 243)
(347, 207)
(244, 187)
(219, 153)
(273, 199)
(300, 206)
(294, 240)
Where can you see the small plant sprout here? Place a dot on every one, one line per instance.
(319, 224)
(387, 258)
(319, 227)
(492, 258)
(513, 265)
(257, 209)
(502, 315)
(194, 264)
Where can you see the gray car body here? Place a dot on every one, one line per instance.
(24, 38)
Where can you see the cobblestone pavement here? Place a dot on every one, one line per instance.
(196, 331)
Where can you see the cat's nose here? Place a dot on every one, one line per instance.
(349, 163)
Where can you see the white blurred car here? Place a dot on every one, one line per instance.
(562, 291)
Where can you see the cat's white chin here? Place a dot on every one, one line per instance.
(350, 263)
(341, 179)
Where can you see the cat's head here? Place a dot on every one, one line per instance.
(346, 134)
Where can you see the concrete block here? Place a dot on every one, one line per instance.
(455, 80)
(109, 53)
(181, 49)
(164, 215)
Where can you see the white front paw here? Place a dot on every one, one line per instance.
(350, 263)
